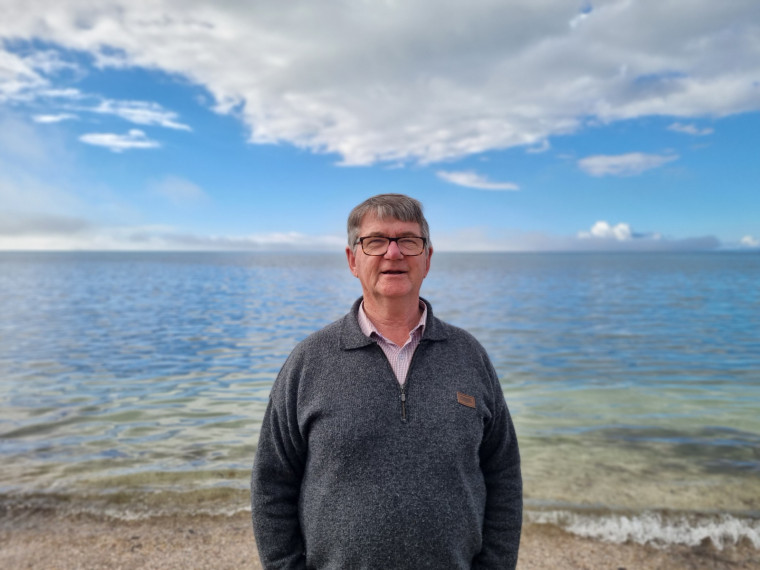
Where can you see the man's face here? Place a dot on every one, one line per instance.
(392, 275)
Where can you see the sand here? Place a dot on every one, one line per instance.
(47, 541)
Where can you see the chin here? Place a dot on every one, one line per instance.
(395, 291)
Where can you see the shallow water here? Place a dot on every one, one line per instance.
(136, 382)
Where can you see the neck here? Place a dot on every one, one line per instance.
(395, 318)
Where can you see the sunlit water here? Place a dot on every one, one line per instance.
(135, 383)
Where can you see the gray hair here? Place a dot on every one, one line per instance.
(387, 206)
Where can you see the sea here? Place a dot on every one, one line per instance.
(134, 384)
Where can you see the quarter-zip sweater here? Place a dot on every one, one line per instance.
(347, 475)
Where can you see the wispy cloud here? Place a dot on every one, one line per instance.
(18, 77)
(690, 129)
(50, 62)
(135, 138)
(141, 113)
(60, 233)
(31, 78)
(173, 239)
(543, 147)
(15, 224)
(179, 191)
(629, 164)
(750, 241)
(54, 118)
(471, 179)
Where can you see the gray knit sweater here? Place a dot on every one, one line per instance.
(352, 471)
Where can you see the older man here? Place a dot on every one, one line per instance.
(387, 442)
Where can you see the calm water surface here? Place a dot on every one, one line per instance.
(135, 383)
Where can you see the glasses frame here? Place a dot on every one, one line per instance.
(390, 239)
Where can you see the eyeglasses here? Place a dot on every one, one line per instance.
(378, 245)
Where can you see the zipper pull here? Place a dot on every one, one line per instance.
(403, 405)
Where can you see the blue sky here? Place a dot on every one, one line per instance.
(521, 125)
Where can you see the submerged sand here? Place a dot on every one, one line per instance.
(47, 541)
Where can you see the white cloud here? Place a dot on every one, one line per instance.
(749, 241)
(604, 236)
(53, 118)
(377, 82)
(623, 164)
(472, 179)
(604, 230)
(135, 138)
(690, 129)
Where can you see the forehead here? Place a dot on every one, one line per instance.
(390, 227)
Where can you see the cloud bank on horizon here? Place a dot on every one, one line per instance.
(372, 85)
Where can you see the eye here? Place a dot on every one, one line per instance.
(375, 242)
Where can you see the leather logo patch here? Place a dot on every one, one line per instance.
(466, 400)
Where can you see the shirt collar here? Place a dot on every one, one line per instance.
(352, 337)
(369, 329)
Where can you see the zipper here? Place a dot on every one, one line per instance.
(406, 381)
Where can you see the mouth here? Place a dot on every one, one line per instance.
(393, 272)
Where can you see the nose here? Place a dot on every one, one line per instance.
(393, 251)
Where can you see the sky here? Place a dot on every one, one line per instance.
(521, 125)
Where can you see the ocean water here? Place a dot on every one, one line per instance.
(134, 384)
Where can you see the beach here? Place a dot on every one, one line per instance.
(49, 541)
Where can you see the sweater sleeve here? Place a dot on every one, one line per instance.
(500, 464)
(276, 477)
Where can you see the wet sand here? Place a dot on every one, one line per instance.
(47, 541)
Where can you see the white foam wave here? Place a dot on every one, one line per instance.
(656, 528)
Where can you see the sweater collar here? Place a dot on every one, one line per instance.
(351, 335)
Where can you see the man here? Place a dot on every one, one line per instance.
(387, 442)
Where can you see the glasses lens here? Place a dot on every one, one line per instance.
(375, 245)
(379, 245)
(410, 246)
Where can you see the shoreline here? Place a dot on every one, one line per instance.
(41, 539)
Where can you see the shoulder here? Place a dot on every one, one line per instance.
(457, 348)
(457, 337)
(321, 342)
(318, 351)
(439, 330)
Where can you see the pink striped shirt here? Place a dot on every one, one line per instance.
(399, 357)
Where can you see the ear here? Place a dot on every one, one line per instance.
(351, 258)
(427, 261)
